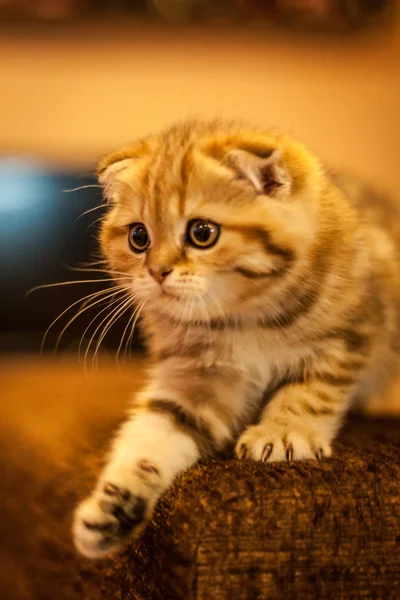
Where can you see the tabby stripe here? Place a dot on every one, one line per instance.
(292, 410)
(321, 411)
(302, 299)
(298, 379)
(254, 274)
(352, 364)
(286, 253)
(304, 303)
(192, 426)
(335, 380)
(328, 398)
(265, 237)
(354, 341)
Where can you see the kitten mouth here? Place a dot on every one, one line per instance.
(174, 295)
(169, 294)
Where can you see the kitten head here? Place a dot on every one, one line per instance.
(209, 220)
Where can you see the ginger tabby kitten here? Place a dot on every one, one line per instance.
(270, 294)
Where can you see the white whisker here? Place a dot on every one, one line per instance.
(84, 309)
(133, 319)
(86, 212)
(109, 320)
(121, 301)
(92, 295)
(62, 283)
(91, 263)
(117, 314)
(89, 269)
(94, 223)
(132, 331)
(89, 210)
(109, 304)
(82, 187)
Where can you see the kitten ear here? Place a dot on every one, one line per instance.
(108, 173)
(264, 170)
(111, 167)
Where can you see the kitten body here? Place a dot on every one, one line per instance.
(270, 299)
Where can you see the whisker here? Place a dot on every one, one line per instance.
(92, 295)
(133, 319)
(89, 268)
(86, 212)
(101, 261)
(62, 283)
(128, 343)
(109, 320)
(131, 333)
(84, 309)
(82, 187)
(104, 320)
(94, 223)
(91, 263)
(130, 320)
(109, 304)
(89, 210)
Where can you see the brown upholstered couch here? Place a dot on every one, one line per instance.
(226, 530)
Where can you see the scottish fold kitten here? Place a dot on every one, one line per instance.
(270, 301)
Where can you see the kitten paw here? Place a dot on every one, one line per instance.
(269, 442)
(118, 509)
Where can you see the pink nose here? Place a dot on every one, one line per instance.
(159, 274)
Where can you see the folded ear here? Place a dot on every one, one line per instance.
(107, 175)
(112, 167)
(265, 170)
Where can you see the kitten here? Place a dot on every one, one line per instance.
(270, 302)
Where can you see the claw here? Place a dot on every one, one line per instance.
(319, 454)
(242, 452)
(267, 452)
(113, 490)
(289, 453)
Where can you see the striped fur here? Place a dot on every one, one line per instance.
(263, 339)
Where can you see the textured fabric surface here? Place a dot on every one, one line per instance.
(226, 530)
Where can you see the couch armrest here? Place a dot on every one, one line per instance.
(226, 529)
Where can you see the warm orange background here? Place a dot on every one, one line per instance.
(69, 93)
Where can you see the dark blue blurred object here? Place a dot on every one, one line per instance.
(43, 233)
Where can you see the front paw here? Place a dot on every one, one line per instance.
(271, 442)
(104, 521)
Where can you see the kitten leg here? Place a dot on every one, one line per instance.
(302, 419)
(149, 451)
(167, 433)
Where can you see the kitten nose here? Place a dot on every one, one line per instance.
(159, 273)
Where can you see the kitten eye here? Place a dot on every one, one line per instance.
(138, 238)
(202, 234)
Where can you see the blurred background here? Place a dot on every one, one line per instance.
(80, 77)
